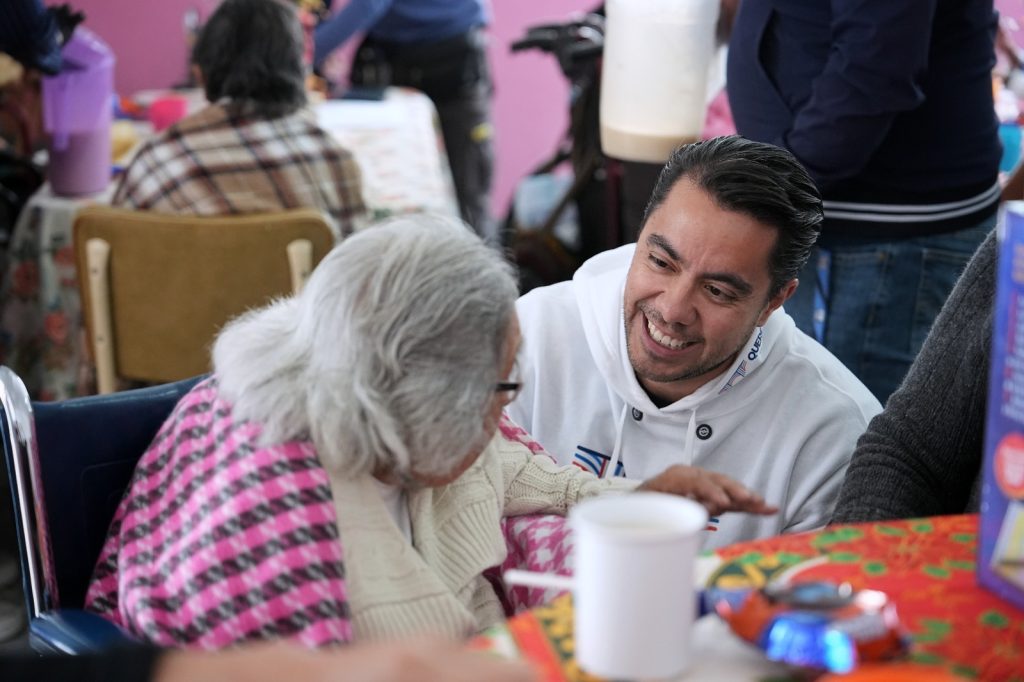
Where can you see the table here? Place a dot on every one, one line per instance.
(398, 145)
(396, 142)
(926, 565)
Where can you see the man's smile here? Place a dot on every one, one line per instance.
(663, 339)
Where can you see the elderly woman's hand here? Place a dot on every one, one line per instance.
(717, 492)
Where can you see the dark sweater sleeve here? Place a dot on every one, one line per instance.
(921, 456)
(861, 89)
(129, 664)
(29, 34)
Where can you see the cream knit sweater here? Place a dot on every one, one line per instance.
(435, 584)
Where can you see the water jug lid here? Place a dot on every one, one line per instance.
(86, 50)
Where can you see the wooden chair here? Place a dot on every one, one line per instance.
(156, 288)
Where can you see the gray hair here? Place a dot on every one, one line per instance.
(388, 359)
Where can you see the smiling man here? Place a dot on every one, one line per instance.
(676, 350)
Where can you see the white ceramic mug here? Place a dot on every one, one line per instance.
(633, 591)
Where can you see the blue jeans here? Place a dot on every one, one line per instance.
(882, 298)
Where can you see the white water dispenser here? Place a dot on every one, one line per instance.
(657, 54)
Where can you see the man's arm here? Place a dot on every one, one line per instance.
(922, 454)
(534, 483)
(816, 509)
(879, 52)
(355, 16)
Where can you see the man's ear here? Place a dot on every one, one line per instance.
(777, 300)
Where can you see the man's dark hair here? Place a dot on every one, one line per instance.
(759, 180)
(251, 52)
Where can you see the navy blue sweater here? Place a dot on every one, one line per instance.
(888, 103)
(29, 34)
(397, 21)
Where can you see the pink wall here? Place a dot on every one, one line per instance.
(1012, 12)
(531, 99)
(147, 37)
(1011, 8)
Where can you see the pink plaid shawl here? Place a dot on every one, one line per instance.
(218, 540)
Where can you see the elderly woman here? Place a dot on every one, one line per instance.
(366, 413)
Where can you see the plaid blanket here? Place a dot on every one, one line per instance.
(222, 161)
(218, 542)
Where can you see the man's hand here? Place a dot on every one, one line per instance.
(717, 492)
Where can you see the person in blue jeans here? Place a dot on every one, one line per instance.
(889, 107)
(438, 47)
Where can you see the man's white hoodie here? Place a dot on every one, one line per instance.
(783, 419)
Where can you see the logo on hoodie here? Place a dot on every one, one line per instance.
(595, 462)
(743, 368)
(756, 348)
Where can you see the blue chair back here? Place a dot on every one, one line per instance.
(69, 463)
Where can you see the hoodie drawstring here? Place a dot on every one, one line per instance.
(617, 450)
(691, 430)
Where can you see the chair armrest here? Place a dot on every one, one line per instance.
(73, 631)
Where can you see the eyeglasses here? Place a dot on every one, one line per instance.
(511, 386)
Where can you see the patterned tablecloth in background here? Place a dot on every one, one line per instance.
(399, 149)
(926, 566)
(396, 142)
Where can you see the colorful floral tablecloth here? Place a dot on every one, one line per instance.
(927, 566)
(42, 335)
(396, 142)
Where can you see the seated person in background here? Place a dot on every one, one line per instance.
(369, 408)
(922, 455)
(256, 147)
(676, 350)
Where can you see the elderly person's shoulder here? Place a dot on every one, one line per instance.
(204, 420)
(180, 139)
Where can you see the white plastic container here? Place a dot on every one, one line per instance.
(655, 75)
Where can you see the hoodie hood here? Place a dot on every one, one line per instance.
(599, 287)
